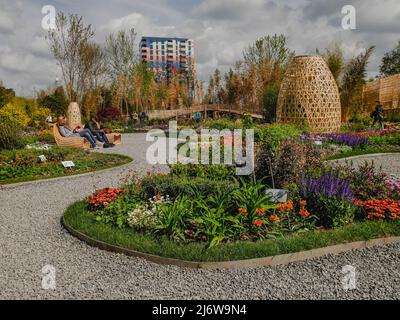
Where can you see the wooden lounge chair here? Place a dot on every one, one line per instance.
(115, 138)
(71, 142)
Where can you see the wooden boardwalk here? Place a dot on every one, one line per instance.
(170, 114)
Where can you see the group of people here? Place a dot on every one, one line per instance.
(93, 132)
(134, 118)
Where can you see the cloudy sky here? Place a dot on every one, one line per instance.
(221, 29)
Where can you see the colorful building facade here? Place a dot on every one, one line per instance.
(169, 56)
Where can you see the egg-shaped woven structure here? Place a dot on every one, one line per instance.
(74, 116)
(309, 94)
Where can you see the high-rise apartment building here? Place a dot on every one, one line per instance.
(169, 56)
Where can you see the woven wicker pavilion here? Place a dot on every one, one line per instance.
(309, 94)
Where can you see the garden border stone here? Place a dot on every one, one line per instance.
(235, 264)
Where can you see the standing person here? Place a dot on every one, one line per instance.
(197, 116)
(143, 117)
(97, 130)
(77, 132)
(133, 118)
(377, 115)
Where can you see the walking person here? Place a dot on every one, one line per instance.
(377, 115)
(143, 117)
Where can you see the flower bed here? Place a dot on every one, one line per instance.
(25, 165)
(209, 207)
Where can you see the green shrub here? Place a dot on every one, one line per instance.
(393, 118)
(215, 172)
(273, 135)
(270, 100)
(14, 114)
(392, 139)
(10, 136)
(175, 186)
(221, 124)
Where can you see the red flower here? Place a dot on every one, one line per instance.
(288, 206)
(260, 211)
(258, 223)
(304, 213)
(274, 218)
(303, 204)
(103, 197)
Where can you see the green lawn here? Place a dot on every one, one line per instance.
(78, 218)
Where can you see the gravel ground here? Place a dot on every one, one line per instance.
(390, 163)
(31, 237)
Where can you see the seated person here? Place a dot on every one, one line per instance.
(77, 132)
(97, 130)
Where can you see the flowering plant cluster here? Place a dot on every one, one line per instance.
(385, 132)
(103, 197)
(370, 183)
(329, 184)
(340, 138)
(283, 218)
(330, 197)
(380, 209)
(144, 216)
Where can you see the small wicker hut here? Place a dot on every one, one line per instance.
(74, 115)
(309, 93)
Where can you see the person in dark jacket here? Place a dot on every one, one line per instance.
(97, 130)
(377, 115)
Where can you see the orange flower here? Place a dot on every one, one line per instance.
(260, 211)
(158, 197)
(258, 223)
(304, 213)
(274, 218)
(288, 206)
(243, 211)
(303, 204)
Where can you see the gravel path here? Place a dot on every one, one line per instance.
(31, 237)
(390, 163)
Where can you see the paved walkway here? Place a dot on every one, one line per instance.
(31, 237)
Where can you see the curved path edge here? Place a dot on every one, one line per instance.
(235, 264)
(367, 155)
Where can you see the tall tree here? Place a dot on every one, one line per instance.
(391, 62)
(354, 78)
(6, 95)
(56, 101)
(122, 59)
(274, 47)
(65, 44)
(92, 70)
(334, 58)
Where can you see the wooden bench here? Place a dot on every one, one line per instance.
(70, 142)
(78, 142)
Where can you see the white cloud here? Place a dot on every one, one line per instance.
(221, 29)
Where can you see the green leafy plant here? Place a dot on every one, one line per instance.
(172, 218)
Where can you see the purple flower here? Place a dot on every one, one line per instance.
(329, 185)
(340, 138)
